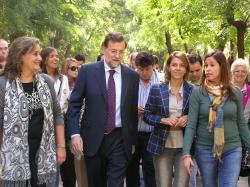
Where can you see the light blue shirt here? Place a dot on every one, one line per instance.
(143, 94)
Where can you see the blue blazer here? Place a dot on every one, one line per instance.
(157, 107)
(91, 86)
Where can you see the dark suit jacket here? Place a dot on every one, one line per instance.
(91, 86)
(156, 108)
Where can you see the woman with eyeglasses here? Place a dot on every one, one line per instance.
(217, 122)
(70, 69)
(31, 124)
(73, 168)
(239, 70)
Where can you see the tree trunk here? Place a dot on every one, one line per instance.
(231, 53)
(240, 41)
(240, 25)
(168, 42)
(182, 37)
(67, 51)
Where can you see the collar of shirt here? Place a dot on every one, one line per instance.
(142, 83)
(244, 89)
(180, 90)
(107, 68)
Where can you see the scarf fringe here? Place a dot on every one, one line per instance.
(218, 151)
(219, 142)
(48, 178)
(8, 183)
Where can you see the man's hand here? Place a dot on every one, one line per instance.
(133, 149)
(60, 155)
(1, 170)
(182, 121)
(77, 146)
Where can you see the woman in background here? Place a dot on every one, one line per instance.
(50, 66)
(239, 70)
(73, 168)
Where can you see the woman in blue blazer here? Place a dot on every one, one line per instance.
(166, 110)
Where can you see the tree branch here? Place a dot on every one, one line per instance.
(247, 18)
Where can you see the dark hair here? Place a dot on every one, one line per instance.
(99, 57)
(156, 59)
(114, 37)
(181, 56)
(224, 73)
(18, 48)
(80, 57)
(44, 54)
(194, 58)
(144, 59)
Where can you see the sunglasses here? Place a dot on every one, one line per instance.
(74, 68)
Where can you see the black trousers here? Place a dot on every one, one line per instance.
(67, 170)
(33, 148)
(141, 154)
(108, 166)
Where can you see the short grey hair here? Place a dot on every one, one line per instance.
(240, 62)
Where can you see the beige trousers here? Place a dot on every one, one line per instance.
(169, 169)
(81, 172)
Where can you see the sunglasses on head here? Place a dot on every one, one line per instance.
(74, 68)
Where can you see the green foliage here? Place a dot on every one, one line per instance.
(77, 26)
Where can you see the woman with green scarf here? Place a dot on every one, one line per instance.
(216, 119)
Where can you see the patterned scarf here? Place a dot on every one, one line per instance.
(14, 151)
(215, 122)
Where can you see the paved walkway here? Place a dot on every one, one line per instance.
(241, 183)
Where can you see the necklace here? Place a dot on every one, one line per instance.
(31, 99)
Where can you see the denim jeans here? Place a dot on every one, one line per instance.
(214, 172)
(192, 179)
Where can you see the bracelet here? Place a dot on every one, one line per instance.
(186, 156)
(58, 146)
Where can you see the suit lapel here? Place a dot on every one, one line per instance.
(125, 78)
(101, 79)
(165, 98)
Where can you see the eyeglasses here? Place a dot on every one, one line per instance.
(240, 71)
(74, 68)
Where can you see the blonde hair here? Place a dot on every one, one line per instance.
(66, 65)
(240, 62)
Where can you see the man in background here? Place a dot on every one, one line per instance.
(195, 66)
(80, 59)
(145, 67)
(195, 73)
(3, 53)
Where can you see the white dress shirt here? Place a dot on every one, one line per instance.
(118, 88)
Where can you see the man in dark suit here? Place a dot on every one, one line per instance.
(108, 129)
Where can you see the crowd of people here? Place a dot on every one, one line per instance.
(98, 124)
